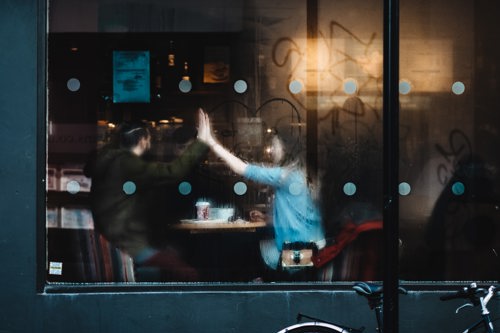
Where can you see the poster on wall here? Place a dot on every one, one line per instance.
(131, 77)
(216, 66)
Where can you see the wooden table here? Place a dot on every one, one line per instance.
(211, 226)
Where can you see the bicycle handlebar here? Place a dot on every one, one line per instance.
(472, 293)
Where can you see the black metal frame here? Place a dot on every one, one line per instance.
(390, 166)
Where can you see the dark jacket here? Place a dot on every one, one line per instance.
(122, 188)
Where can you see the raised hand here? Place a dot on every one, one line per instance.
(204, 129)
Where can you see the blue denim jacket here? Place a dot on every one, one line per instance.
(296, 218)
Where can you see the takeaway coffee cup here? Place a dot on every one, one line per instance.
(202, 210)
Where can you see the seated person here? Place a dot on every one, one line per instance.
(122, 193)
(295, 216)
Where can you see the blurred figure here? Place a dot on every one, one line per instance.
(462, 235)
(122, 196)
(295, 216)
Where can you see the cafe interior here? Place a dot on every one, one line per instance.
(311, 71)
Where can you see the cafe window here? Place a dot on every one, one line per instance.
(293, 93)
(449, 205)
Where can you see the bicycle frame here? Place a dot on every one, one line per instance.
(475, 300)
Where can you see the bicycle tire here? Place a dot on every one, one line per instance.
(313, 327)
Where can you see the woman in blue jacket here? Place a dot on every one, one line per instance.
(295, 216)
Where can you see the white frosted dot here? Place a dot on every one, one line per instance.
(240, 188)
(350, 86)
(240, 86)
(349, 188)
(295, 87)
(185, 86)
(129, 187)
(73, 84)
(404, 188)
(73, 187)
(458, 88)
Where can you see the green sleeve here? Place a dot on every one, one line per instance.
(157, 173)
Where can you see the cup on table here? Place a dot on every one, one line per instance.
(202, 210)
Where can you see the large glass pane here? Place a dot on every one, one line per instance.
(449, 140)
(349, 129)
(308, 72)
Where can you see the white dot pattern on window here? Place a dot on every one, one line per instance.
(129, 187)
(350, 86)
(73, 187)
(349, 188)
(458, 88)
(240, 86)
(404, 87)
(295, 188)
(240, 188)
(185, 86)
(404, 188)
(295, 87)
(458, 188)
(185, 188)
(73, 84)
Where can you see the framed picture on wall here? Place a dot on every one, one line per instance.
(216, 67)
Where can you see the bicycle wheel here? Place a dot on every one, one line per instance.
(312, 327)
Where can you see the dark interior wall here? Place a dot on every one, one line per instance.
(24, 309)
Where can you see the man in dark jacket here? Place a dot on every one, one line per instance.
(123, 184)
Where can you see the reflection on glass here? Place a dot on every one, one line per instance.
(447, 151)
(335, 129)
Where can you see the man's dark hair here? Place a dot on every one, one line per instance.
(131, 133)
